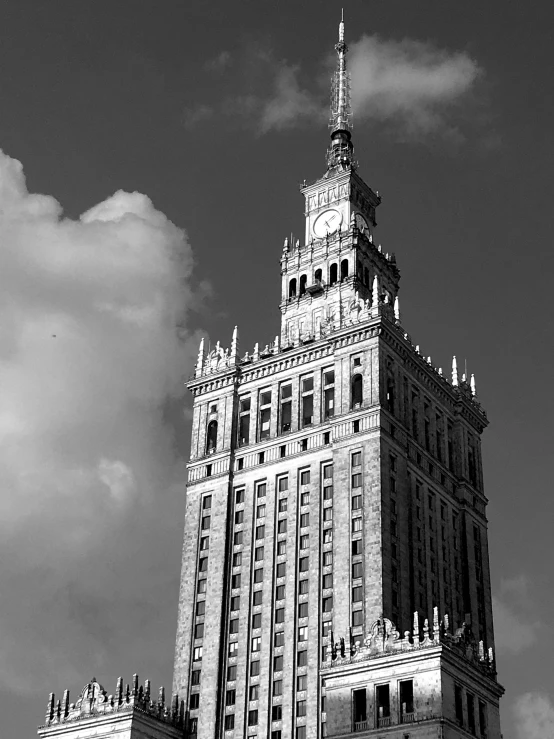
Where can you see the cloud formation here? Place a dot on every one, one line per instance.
(94, 346)
(415, 88)
(534, 716)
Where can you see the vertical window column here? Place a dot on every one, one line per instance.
(328, 394)
(356, 581)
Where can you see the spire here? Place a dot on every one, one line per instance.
(341, 151)
(454, 372)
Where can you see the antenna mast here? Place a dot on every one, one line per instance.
(341, 150)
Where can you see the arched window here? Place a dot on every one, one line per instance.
(366, 277)
(211, 437)
(357, 391)
(344, 269)
(333, 273)
(318, 275)
(292, 288)
(303, 281)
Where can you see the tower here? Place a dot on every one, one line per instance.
(335, 565)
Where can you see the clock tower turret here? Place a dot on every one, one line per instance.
(338, 264)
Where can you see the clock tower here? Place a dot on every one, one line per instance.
(338, 269)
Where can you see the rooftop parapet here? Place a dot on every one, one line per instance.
(383, 638)
(94, 701)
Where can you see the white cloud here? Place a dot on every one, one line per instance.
(534, 716)
(288, 103)
(411, 84)
(93, 346)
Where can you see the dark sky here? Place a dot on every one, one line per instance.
(165, 99)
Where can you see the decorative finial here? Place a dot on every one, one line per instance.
(200, 361)
(341, 151)
(375, 292)
(234, 346)
(397, 308)
(454, 372)
(473, 386)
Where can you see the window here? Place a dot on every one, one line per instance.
(333, 274)
(328, 513)
(303, 633)
(282, 526)
(233, 648)
(328, 604)
(286, 408)
(257, 621)
(203, 564)
(357, 362)
(359, 705)
(260, 531)
(278, 663)
(265, 414)
(276, 734)
(256, 643)
(303, 282)
(483, 719)
(356, 459)
(279, 639)
(357, 618)
(292, 288)
(328, 536)
(281, 569)
(277, 687)
(304, 564)
(194, 701)
(254, 693)
(206, 521)
(232, 673)
(357, 594)
(240, 463)
(283, 484)
(259, 574)
(382, 701)
(357, 570)
(195, 677)
(303, 586)
(281, 548)
(300, 708)
(279, 592)
(199, 631)
(307, 401)
(257, 597)
(470, 713)
(328, 492)
(230, 697)
(239, 517)
(283, 505)
(356, 502)
(211, 437)
(234, 626)
(305, 477)
(255, 668)
(327, 559)
(357, 391)
(356, 524)
(252, 717)
(329, 394)
(328, 472)
(237, 538)
(279, 615)
(260, 511)
(406, 698)
(244, 421)
(357, 480)
(302, 658)
(458, 703)
(193, 725)
(206, 502)
(261, 490)
(204, 543)
(304, 520)
(235, 581)
(303, 610)
(344, 269)
(201, 588)
(197, 654)
(327, 581)
(301, 682)
(357, 546)
(276, 713)
(229, 721)
(259, 554)
(304, 541)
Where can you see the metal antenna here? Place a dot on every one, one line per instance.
(341, 151)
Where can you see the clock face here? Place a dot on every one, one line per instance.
(361, 223)
(327, 223)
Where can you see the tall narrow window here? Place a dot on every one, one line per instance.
(459, 706)
(382, 704)
(359, 707)
(450, 433)
(329, 393)
(333, 274)
(406, 700)
(292, 288)
(307, 401)
(303, 282)
(211, 438)
(482, 719)
(244, 421)
(415, 415)
(318, 276)
(265, 414)
(470, 713)
(286, 407)
(344, 269)
(427, 426)
(390, 393)
(357, 391)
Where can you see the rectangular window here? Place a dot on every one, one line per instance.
(459, 706)
(233, 648)
(329, 402)
(206, 521)
(282, 526)
(276, 714)
(279, 615)
(303, 586)
(327, 581)
(193, 726)
(237, 538)
(281, 569)
(195, 677)
(357, 546)
(302, 658)
(260, 532)
(382, 702)
(300, 708)
(357, 618)
(483, 719)
(283, 484)
(237, 559)
(281, 548)
(261, 490)
(256, 643)
(303, 610)
(301, 683)
(194, 701)
(255, 668)
(201, 586)
(327, 604)
(357, 570)
(328, 492)
(307, 410)
(328, 472)
(277, 687)
(357, 594)
(278, 663)
(305, 477)
(304, 541)
(239, 517)
(197, 655)
(252, 717)
(470, 713)
(259, 574)
(229, 721)
(230, 697)
(406, 690)
(356, 459)
(203, 564)
(206, 502)
(359, 705)
(302, 633)
(357, 524)
(327, 559)
(356, 502)
(286, 407)
(232, 673)
(277, 734)
(204, 543)
(357, 480)
(328, 513)
(254, 693)
(328, 536)
(279, 592)
(279, 639)
(234, 626)
(283, 505)
(260, 511)
(300, 732)
(305, 499)
(244, 426)
(304, 520)
(304, 564)
(257, 621)
(235, 581)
